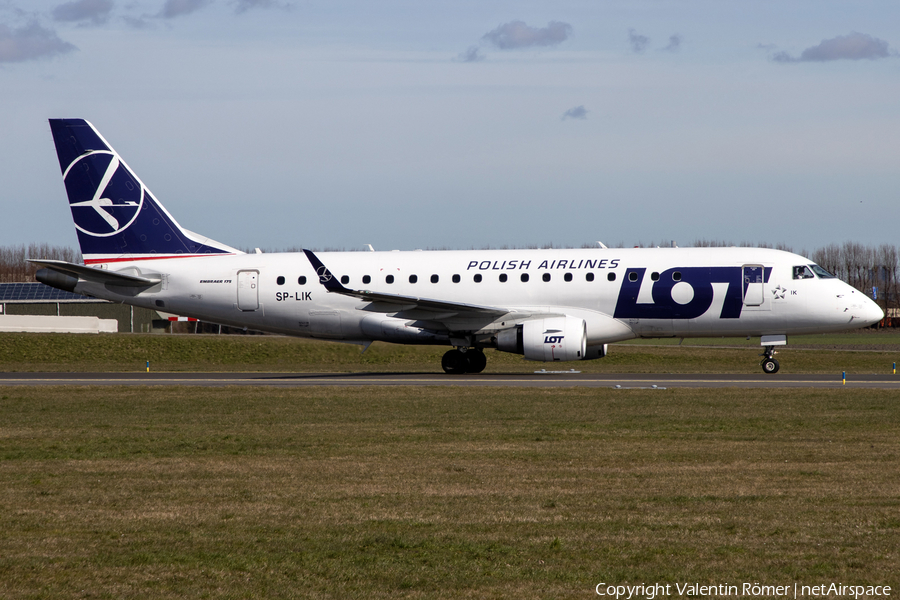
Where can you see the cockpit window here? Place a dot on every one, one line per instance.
(822, 273)
(803, 272)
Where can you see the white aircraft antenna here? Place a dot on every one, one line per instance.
(371, 249)
(257, 250)
(602, 245)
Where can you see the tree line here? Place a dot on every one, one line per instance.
(13, 260)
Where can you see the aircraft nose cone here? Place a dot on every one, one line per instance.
(871, 313)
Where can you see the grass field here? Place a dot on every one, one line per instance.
(441, 492)
(863, 352)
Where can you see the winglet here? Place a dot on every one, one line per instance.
(325, 277)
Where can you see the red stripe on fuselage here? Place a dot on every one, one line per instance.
(94, 261)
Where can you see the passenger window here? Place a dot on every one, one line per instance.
(803, 272)
(632, 276)
(280, 280)
(654, 276)
(455, 279)
(676, 276)
(546, 276)
(413, 278)
(367, 279)
(567, 277)
(302, 280)
(345, 279)
(477, 278)
(524, 277)
(502, 277)
(434, 279)
(389, 279)
(610, 276)
(589, 276)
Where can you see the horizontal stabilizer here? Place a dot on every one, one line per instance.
(95, 275)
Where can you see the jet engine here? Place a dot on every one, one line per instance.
(56, 279)
(550, 339)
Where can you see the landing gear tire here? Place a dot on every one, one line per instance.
(477, 361)
(457, 362)
(454, 362)
(769, 364)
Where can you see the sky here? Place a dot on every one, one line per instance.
(412, 124)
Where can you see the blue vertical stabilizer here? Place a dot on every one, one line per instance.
(116, 216)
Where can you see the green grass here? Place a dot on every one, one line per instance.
(870, 339)
(440, 492)
(853, 353)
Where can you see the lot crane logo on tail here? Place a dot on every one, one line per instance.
(104, 197)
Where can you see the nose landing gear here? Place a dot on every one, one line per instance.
(769, 364)
(464, 360)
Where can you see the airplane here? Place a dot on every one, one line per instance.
(546, 305)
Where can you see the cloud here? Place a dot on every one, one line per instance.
(138, 22)
(578, 112)
(638, 42)
(470, 55)
(30, 42)
(674, 43)
(179, 8)
(95, 11)
(855, 46)
(245, 5)
(516, 34)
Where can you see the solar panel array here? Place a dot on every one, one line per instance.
(38, 292)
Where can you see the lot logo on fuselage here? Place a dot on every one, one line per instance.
(104, 196)
(682, 293)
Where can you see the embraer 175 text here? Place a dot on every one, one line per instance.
(548, 305)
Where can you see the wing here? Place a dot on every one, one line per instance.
(407, 303)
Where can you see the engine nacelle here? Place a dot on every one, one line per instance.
(550, 339)
(56, 279)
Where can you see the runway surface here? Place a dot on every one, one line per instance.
(547, 379)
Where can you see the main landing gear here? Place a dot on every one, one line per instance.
(769, 363)
(463, 360)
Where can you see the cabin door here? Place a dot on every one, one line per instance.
(753, 285)
(248, 290)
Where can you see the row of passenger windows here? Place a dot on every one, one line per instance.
(477, 278)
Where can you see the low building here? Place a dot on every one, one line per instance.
(40, 299)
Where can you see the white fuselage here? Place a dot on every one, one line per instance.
(619, 293)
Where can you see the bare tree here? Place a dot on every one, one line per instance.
(13, 265)
(887, 266)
